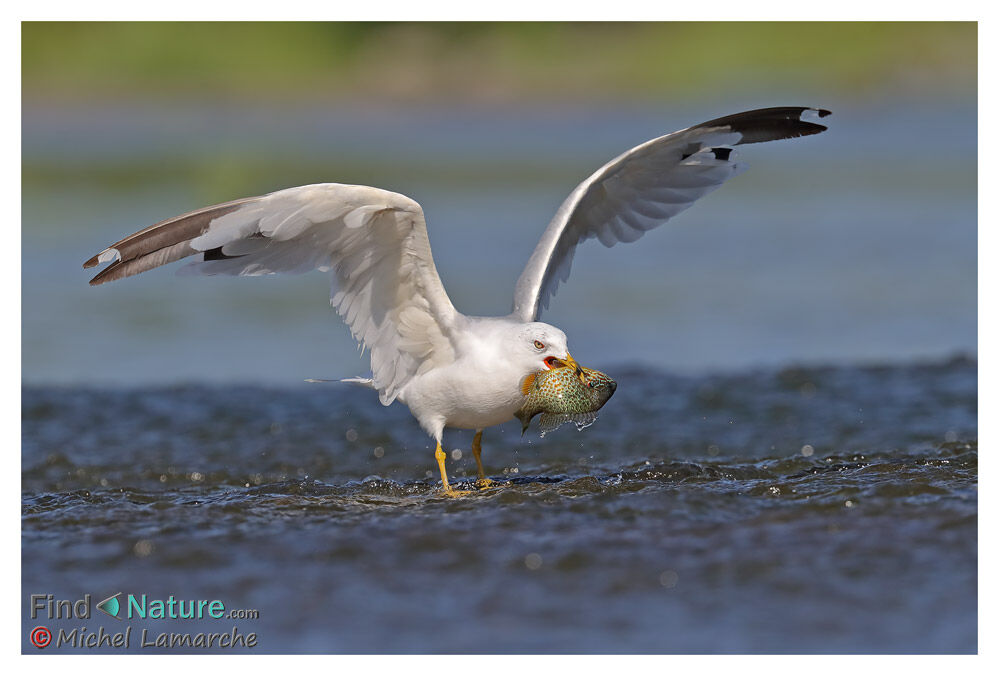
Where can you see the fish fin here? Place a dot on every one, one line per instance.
(584, 420)
(549, 422)
(528, 384)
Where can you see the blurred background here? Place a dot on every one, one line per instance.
(855, 246)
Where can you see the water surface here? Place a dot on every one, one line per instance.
(785, 510)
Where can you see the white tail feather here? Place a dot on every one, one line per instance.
(363, 382)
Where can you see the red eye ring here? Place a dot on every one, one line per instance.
(538, 344)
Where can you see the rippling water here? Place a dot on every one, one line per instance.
(795, 510)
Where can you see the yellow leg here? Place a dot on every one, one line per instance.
(448, 491)
(484, 481)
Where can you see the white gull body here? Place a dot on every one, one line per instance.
(450, 369)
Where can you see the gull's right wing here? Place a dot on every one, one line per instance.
(385, 283)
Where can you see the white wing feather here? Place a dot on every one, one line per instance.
(645, 187)
(385, 283)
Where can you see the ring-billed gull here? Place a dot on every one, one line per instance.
(450, 369)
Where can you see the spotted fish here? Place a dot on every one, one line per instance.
(563, 395)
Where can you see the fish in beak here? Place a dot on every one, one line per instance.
(562, 394)
(566, 361)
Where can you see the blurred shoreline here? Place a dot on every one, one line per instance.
(491, 62)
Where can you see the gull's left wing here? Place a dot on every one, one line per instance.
(644, 188)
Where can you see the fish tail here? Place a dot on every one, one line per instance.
(525, 420)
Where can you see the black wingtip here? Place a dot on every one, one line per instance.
(771, 124)
(108, 274)
(162, 243)
(94, 261)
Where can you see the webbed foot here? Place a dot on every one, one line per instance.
(449, 492)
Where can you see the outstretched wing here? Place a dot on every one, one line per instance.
(385, 284)
(644, 188)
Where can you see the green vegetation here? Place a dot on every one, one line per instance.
(489, 61)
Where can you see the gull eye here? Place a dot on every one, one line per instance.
(538, 344)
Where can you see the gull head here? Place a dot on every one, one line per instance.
(539, 347)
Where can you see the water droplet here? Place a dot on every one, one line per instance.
(351, 434)
(807, 450)
(713, 450)
(378, 452)
(456, 454)
(197, 476)
(143, 548)
(849, 503)
(163, 478)
(533, 561)
(669, 578)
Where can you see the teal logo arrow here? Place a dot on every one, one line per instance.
(110, 606)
